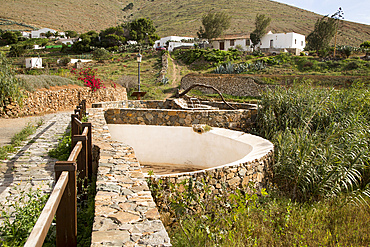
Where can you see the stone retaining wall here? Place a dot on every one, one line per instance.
(230, 119)
(218, 180)
(238, 85)
(59, 99)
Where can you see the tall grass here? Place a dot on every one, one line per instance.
(33, 82)
(321, 139)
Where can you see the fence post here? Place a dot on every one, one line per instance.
(83, 102)
(78, 113)
(66, 215)
(82, 161)
(89, 147)
(75, 129)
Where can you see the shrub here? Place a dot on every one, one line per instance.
(88, 77)
(352, 65)
(9, 85)
(64, 61)
(365, 44)
(101, 54)
(19, 221)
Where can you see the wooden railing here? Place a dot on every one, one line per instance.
(69, 176)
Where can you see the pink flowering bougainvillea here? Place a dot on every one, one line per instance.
(89, 79)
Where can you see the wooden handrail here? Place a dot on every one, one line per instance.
(40, 230)
(75, 152)
(78, 122)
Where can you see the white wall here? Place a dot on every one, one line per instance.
(227, 45)
(34, 62)
(162, 41)
(182, 146)
(172, 45)
(37, 33)
(283, 40)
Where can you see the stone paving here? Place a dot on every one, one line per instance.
(30, 166)
(125, 212)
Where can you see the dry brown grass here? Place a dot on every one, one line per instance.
(172, 17)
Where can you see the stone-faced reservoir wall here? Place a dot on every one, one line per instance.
(230, 119)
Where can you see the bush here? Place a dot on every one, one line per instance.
(101, 54)
(64, 61)
(10, 90)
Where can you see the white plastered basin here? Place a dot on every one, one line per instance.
(183, 146)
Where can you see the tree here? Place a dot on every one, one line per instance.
(142, 30)
(16, 51)
(365, 44)
(49, 34)
(87, 42)
(322, 34)
(214, 24)
(113, 36)
(71, 34)
(9, 38)
(261, 23)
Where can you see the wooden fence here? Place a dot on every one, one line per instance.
(69, 176)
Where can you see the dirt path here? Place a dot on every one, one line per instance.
(10, 126)
(176, 77)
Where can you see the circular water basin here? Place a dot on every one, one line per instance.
(176, 149)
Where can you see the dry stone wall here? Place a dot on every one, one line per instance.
(238, 85)
(60, 98)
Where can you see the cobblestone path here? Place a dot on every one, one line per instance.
(30, 166)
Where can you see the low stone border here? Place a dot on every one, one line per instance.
(125, 213)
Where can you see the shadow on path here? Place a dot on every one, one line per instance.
(8, 176)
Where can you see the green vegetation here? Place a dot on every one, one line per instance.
(9, 85)
(321, 140)
(64, 148)
(143, 31)
(323, 33)
(214, 25)
(319, 191)
(261, 23)
(23, 210)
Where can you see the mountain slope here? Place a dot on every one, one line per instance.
(172, 17)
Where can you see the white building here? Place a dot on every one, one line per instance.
(41, 33)
(34, 62)
(231, 41)
(70, 41)
(174, 45)
(163, 41)
(290, 41)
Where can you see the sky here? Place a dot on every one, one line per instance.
(355, 10)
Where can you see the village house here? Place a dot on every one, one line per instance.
(41, 33)
(291, 42)
(34, 62)
(232, 41)
(177, 39)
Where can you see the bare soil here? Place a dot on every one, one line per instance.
(160, 169)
